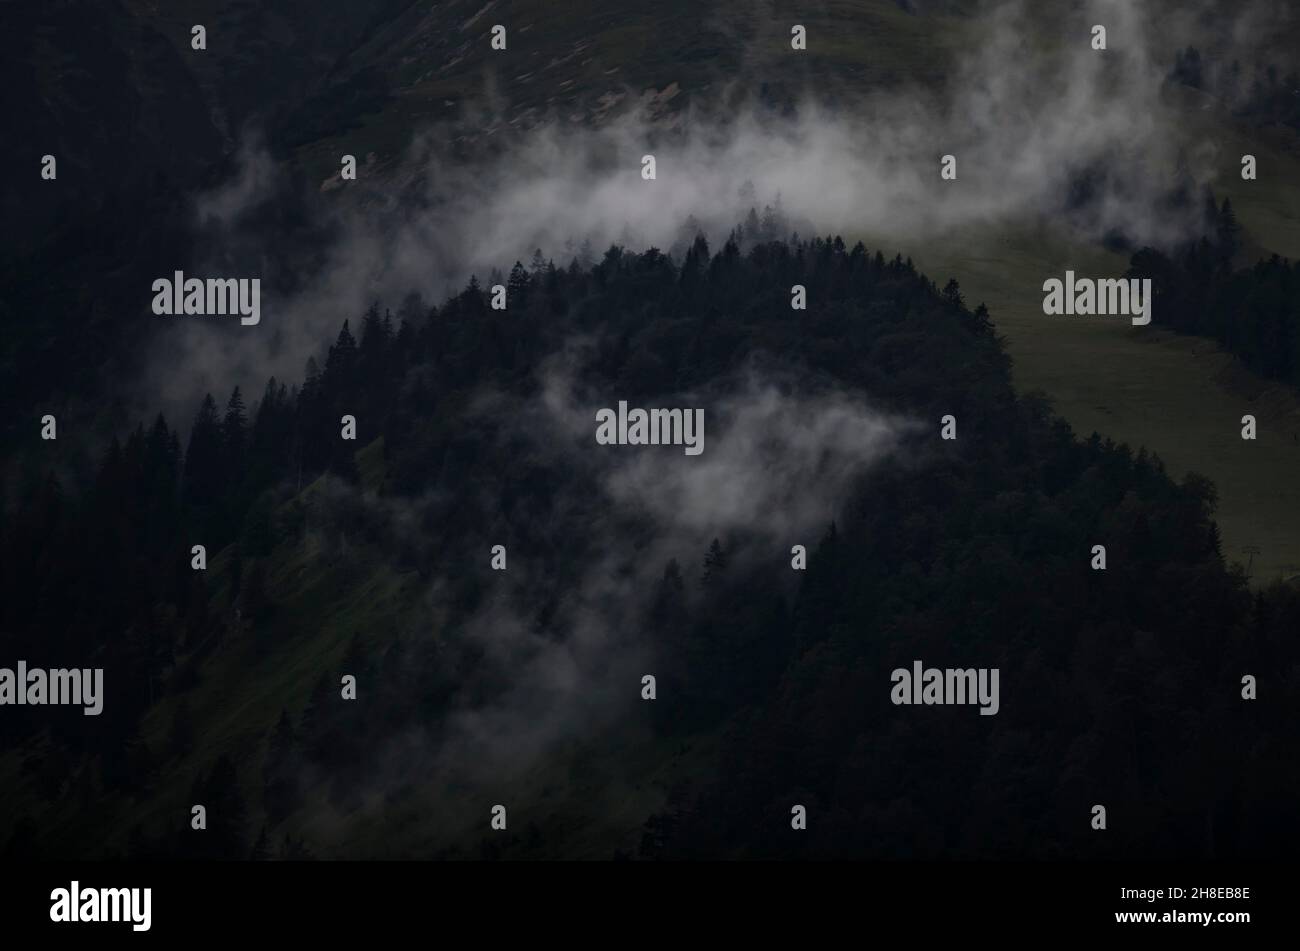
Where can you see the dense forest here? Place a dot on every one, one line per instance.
(1253, 312)
(1120, 687)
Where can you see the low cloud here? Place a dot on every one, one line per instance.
(1058, 133)
(778, 463)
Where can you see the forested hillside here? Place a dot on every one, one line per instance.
(1252, 312)
(328, 557)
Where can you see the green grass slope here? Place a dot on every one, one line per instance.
(1179, 396)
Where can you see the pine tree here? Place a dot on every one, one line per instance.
(270, 435)
(261, 848)
(1228, 231)
(341, 363)
(517, 286)
(279, 771)
(952, 293)
(234, 438)
(311, 376)
(204, 458)
(235, 425)
(161, 467)
(715, 562)
(204, 483)
(471, 299)
(372, 330)
(666, 607)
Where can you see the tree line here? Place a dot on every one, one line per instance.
(1119, 686)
